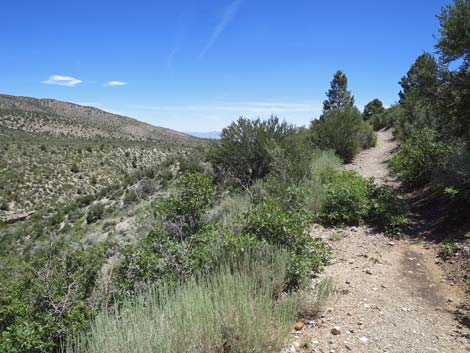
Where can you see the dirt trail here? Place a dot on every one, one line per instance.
(373, 162)
(391, 296)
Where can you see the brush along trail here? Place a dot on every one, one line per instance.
(391, 295)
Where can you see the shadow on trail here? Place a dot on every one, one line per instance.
(436, 217)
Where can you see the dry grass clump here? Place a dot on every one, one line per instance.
(313, 302)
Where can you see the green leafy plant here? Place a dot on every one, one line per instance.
(387, 211)
(269, 223)
(347, 198)
(184, 211)
(447, 249)
(344, 131)
(245, 148)
(418, 157)
(351, 200)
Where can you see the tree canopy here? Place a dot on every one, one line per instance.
(454, 40)
(421, 80)
(372, 108)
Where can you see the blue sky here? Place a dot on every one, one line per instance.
(198, 65)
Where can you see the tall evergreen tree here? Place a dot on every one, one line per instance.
(421, 81)
(454, 46)
(418, 97)
(338, 96)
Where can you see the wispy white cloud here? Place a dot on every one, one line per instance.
(228, 14)
(60, 80)
(171, 58)
(115, 83)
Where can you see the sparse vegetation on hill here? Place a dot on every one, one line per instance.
(43, 164)
(72, 120)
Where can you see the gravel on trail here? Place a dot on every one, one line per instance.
(391, 295)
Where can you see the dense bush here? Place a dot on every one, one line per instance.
(351, 199)
(343, 131)
(190, 237)
(290, 160)
(418, 157)
(293, 195)
(387, 119)
(48, 300)
(244, 149)
(367, 136)
(455, 171)
(269, 223)
(387, 210)
(347, 198)
(183, 213)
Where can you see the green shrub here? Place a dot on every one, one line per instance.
(165, 254)
(43, 302)
(231, 310)
(185, 209)
(418, 157)
(379, 121)
(347, 198)
(454, 173)
(367, 136)
(387, 211)
(245, 148)
(343, 131)
(95, 213)
(387, 119)
(352, 200)
(305, 195)
(269, 223)
(291, 157)
(191, 165)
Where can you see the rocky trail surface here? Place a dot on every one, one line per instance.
(391, 295)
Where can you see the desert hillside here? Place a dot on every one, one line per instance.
(54, 152)
(73, 120)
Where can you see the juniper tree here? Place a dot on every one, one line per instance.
(372, 108)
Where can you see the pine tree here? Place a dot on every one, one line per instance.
(338, 95)
(421, 80)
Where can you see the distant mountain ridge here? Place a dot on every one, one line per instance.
(73, 120)
(206, 135)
